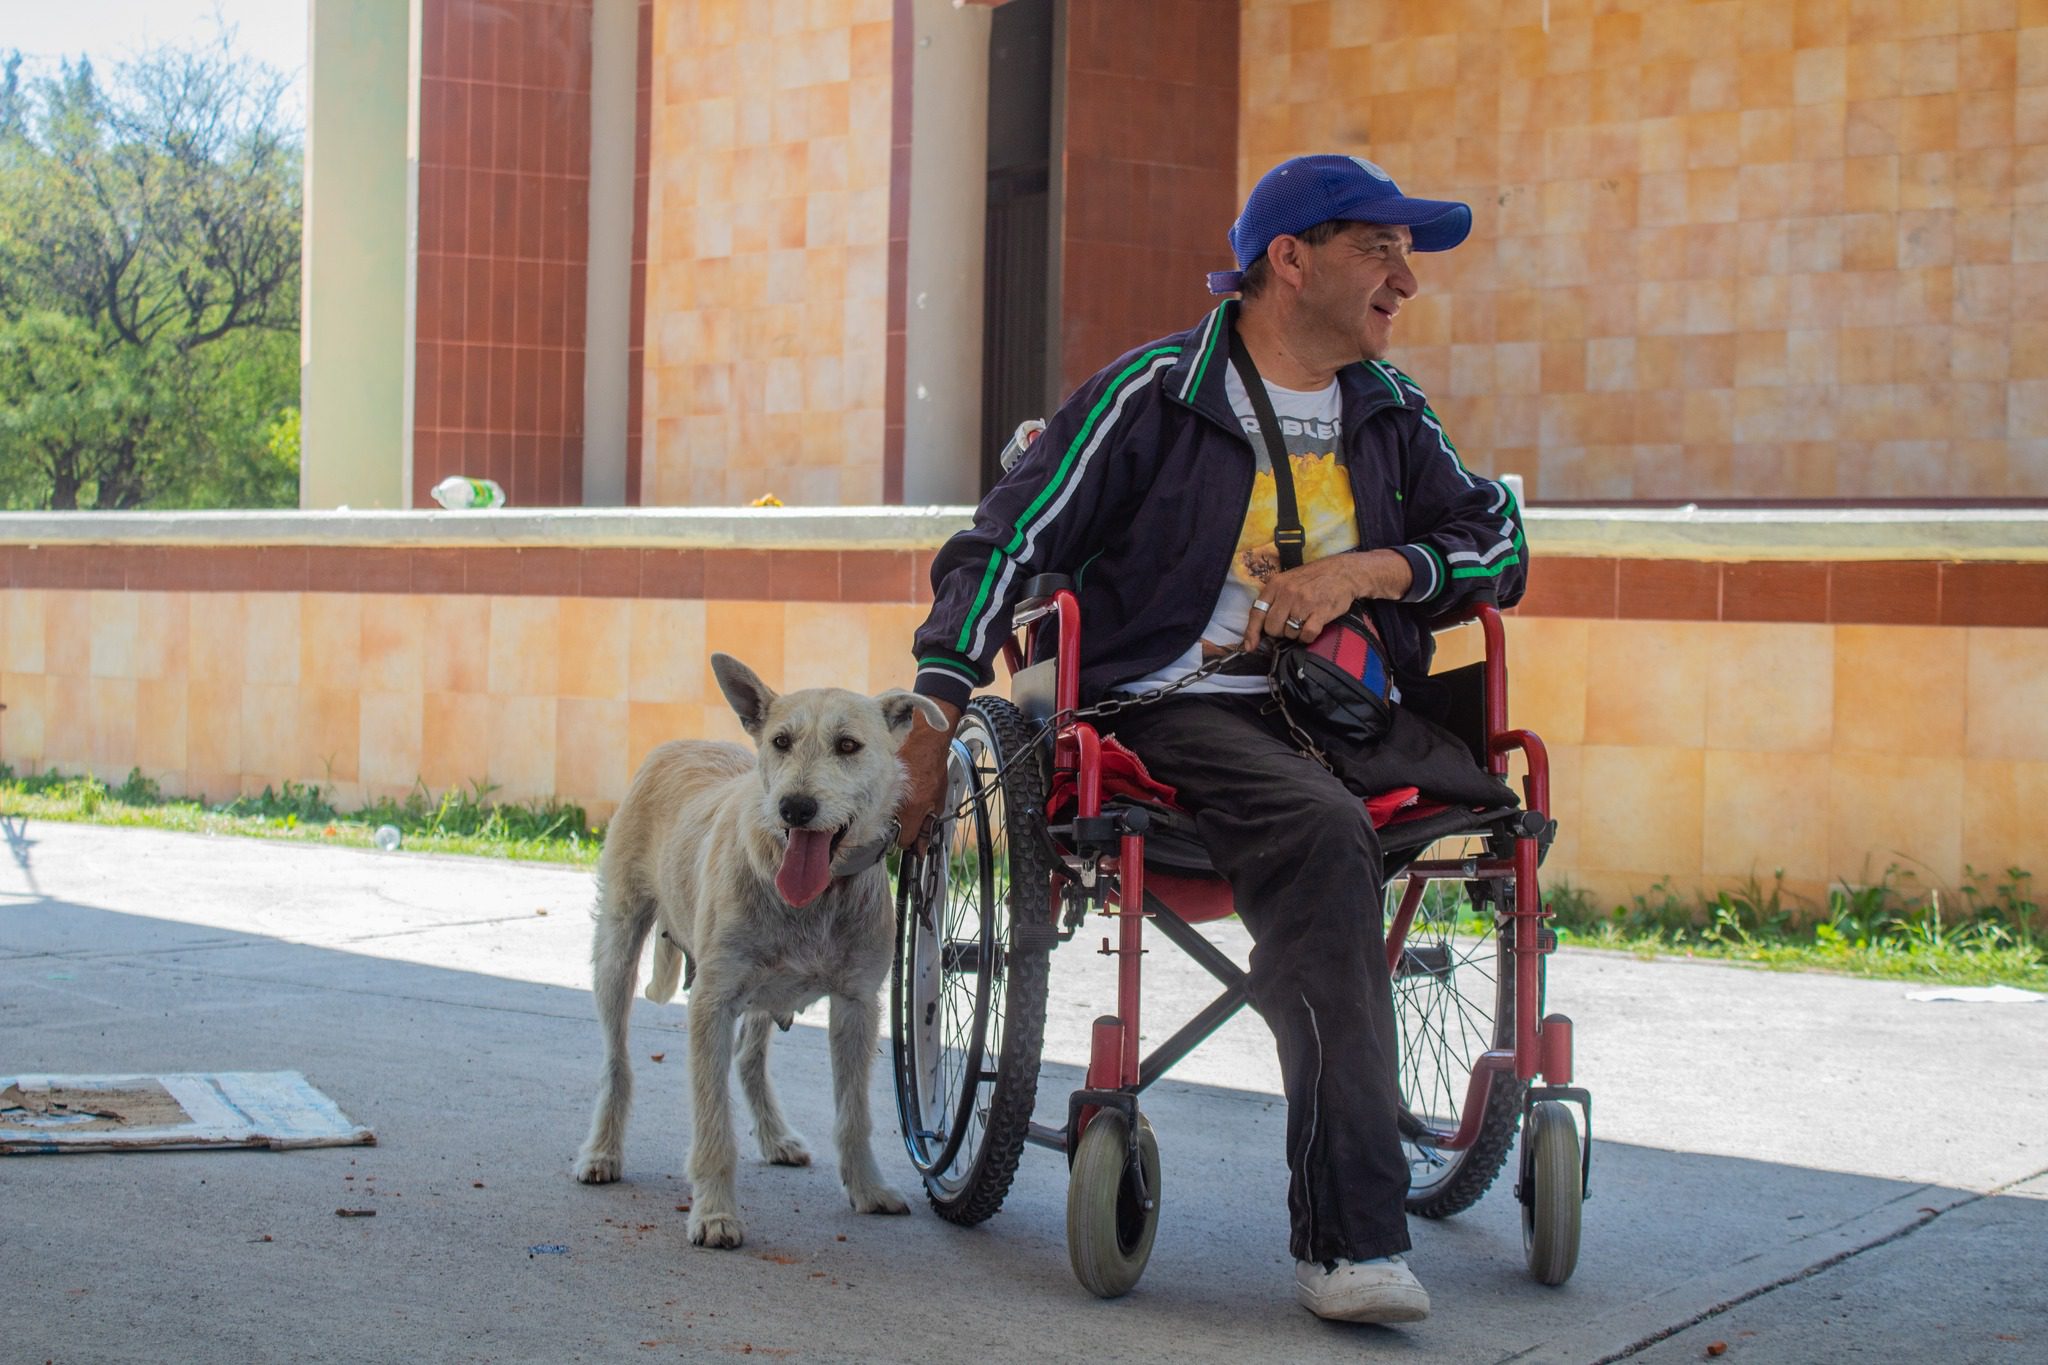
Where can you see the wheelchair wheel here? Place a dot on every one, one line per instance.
(1454, 998)
(1111, 1220)
(1553, 1192)
(967, 1008)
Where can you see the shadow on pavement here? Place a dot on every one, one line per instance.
(479, 1087)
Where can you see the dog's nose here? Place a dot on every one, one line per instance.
(798, 811)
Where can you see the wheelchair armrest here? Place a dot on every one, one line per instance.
(1048, 594)
(1481, 613)
(1471, 612)
(1037, 599)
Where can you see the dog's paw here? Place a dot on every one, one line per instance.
(597, 1168)
(716, 1229)
(786, 1149)
(878, 1199)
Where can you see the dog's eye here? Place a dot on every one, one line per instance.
(849, 745)
(781, 742)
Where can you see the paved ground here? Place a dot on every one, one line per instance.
(1804, 1168)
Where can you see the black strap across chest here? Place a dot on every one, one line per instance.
(1287, 533)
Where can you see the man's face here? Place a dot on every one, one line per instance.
(1355, 283)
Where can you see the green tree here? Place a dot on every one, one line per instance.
(149, 284)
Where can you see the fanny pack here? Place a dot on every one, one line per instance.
(1339, 682)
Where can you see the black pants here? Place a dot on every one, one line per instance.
(1304, 866)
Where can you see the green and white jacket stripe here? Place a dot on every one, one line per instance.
(1138, 489)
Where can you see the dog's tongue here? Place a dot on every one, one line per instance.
(806, 866)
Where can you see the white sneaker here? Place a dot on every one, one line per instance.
(1383, 1289)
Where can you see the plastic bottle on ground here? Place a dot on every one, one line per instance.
(459, 493)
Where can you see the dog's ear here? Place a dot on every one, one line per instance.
(750, 697)
(899, 706)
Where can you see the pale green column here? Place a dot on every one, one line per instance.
(356, 323)
(948, 231)
(608, 331)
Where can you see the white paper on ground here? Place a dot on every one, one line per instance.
(219, 1109)
(1978, 995)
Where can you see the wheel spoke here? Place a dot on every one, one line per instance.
(1450, 1004)
(965, 1084)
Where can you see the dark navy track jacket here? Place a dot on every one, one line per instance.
(1138, 489)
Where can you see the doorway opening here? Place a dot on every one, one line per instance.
(1017, 260)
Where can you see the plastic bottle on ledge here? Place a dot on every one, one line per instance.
(459, 493)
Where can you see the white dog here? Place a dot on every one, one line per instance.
(765, 879)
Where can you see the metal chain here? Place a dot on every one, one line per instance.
(1300, 736)
(1110, 706)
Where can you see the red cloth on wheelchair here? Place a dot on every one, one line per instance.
(1402, 803)
(1124, 774)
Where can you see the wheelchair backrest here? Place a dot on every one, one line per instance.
(1456, 700)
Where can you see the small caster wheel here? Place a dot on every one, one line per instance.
(1552, 1195)
(1110, 1220)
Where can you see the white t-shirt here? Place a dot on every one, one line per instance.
(1311, 426)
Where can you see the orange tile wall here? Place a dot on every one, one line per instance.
(768, 238)
(504, 190)
(1753, 248)
(366, 694)
(1698, 752)
(1151, 135)
(1706, 721)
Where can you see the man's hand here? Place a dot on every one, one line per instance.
(924, 755)
(1297, 604)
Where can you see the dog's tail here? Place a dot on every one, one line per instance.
(668, 970)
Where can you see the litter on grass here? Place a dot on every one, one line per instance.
(1978, 995)
(281, 1109)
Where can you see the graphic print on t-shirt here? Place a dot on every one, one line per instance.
(1309, 427)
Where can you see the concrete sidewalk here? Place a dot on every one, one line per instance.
(1807, 1168)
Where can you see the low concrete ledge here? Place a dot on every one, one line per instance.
(1805, 533)
(1685, 533)
(648, 528)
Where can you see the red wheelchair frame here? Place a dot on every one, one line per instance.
(1101, 868)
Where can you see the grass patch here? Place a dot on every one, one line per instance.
(1989, 933)
(459, 821)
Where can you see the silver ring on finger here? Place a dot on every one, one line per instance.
(1262, 605)
(1294, 623)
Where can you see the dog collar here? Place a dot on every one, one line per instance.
(860, 859)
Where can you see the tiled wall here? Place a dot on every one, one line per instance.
(542, 673)
(504, 187)
(1151, 142)
(1718, 720)
(1758, 248)
(1708, 752)
(1828, 720)
(768, 235)
(636, 342)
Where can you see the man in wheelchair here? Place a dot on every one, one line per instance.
(1154, 488)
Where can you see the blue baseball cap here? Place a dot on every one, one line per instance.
(1296, 195)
